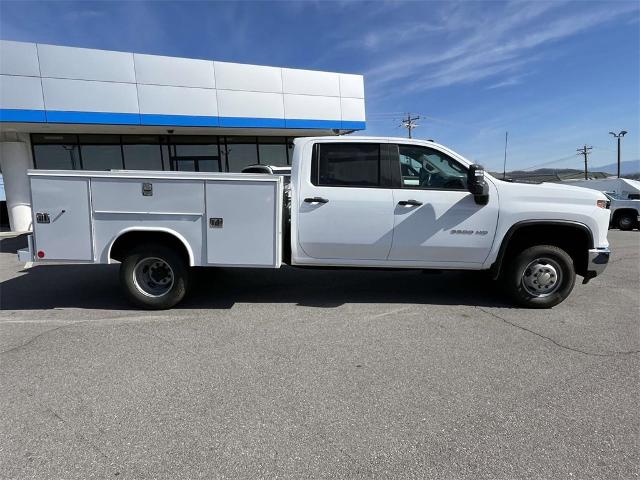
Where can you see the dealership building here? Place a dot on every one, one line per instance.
(77, 108)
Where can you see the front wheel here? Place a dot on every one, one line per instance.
(540, 277)
(626, 221)
(154, 277)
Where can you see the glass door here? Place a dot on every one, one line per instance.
(195, 154)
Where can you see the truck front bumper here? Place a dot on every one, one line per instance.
(598, 260)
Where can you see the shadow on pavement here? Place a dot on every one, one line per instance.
(97, 287)
(13, 244)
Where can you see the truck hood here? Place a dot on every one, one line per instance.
(549, 193)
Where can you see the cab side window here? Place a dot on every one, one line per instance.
(346, 165)
(426, 168)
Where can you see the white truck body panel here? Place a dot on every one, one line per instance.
(88, 211)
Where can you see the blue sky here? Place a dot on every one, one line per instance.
(556, 74)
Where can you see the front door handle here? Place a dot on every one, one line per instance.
(411, 203)
(316, 200)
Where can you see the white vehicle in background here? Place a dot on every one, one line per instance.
(625, 213)
(624, 197)
(352, 202)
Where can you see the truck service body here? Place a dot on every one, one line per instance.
(351, 202)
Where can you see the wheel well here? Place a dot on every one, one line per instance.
(128, 240)
(575, 239)
(621, 211)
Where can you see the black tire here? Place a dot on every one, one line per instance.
(138, 283)
(519, 276)
(626, 221)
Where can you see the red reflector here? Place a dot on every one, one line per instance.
(40, 254)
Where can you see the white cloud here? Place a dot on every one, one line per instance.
(466, 42)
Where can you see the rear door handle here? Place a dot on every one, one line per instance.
(412, 203)
(316, 200)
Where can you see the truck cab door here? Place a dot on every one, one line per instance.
(344, 205)
(436, 219)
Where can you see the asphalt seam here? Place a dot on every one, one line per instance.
(556, 343)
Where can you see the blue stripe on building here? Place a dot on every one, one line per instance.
(114, 118)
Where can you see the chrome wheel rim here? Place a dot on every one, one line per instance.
(542, 277)
(153, 277)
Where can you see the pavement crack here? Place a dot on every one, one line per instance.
(36, 337)
(555, 342)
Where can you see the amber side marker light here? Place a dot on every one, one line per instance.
(601, 203)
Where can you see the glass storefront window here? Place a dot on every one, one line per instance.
(240, 155)
(185, 165)
(142, 152)
(142, 157)
(101, 157)
(208, 165)
(56, 157)
(273, 155)
(158, 152)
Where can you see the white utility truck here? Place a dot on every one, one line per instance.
(351, 202)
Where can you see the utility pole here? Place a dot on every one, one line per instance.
(504, 165)
(619, 137)
(409, 123)
(585, 151)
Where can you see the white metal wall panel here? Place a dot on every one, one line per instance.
(352, 109)
(308, 82)
(20, 92)
(80, 95)
(250, 223)
(351, 85)
(312, 107)
(163, 100)
(250, 104)
(256, 78)
(19, 58)
(68, 234)
(85, 64)
(177, 72)
(169, 196)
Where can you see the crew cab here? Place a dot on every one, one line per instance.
(352, 202)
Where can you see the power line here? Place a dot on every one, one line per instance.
(585, 151)
(550, 162)
(409, 123)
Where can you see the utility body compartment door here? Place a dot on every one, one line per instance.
(62, 218)
(243, 222)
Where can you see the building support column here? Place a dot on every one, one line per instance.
(15, 160)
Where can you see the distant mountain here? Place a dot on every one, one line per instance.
(626, 168)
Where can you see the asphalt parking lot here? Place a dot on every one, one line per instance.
(318, 374)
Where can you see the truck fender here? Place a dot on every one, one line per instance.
(496, 267)
(178, 235)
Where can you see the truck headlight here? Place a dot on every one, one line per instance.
(601, 203)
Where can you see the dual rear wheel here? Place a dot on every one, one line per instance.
(154, 277)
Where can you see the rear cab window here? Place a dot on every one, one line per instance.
(347, 165)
